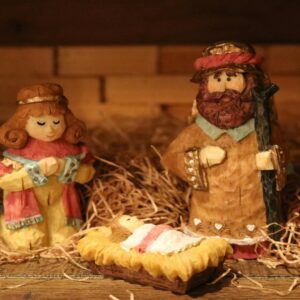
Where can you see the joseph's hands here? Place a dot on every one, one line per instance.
(264, 161)
(212, 155)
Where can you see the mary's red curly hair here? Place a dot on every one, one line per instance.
(14, 135)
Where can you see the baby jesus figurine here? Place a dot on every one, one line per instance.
(149, 254)
(41, 165)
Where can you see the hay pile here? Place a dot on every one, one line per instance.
(131, 180)
(286, 251)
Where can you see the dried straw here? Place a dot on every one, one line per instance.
(130, 180)
(259, 287)
(131, 296)
(140, 190)
(286, 251)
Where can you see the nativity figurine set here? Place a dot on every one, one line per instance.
(232, 156)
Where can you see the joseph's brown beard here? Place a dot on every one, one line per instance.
(225, 110)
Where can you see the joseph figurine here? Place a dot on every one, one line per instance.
(221, 154)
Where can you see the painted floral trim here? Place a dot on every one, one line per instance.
(28, 221)
(74, 222)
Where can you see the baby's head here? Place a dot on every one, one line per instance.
(122, 227)
(130, 223)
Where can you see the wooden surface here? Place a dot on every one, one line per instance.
(45, 280)
(51, 22)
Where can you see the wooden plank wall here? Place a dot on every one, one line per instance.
(69, 22)
(134, 80)
(137, 81)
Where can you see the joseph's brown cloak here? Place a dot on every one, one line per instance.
(233, 207)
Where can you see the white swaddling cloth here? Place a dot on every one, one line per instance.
(167, 242)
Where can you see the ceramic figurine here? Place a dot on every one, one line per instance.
(156, 255)
(41, 165)
(231, 155)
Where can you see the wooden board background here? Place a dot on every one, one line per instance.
(69, 22)
(137, 81)
(44, 280)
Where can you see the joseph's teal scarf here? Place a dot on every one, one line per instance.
(215, 132)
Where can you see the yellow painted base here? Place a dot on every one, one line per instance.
(47, 233)
(34, 236)
(53, 229)
(99, 247)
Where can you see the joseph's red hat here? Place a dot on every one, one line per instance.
(226, 55)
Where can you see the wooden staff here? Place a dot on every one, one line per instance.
(263, 126)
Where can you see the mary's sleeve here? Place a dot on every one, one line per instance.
(16, 181)
(85, 173)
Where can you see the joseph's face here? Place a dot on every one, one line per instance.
(225, 98)
(47, 128)
(226, 80)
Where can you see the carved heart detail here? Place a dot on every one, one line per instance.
(197, 221)
(190, 154)
(218, 226)
(250, 227)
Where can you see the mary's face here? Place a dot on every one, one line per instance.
(47, 128)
